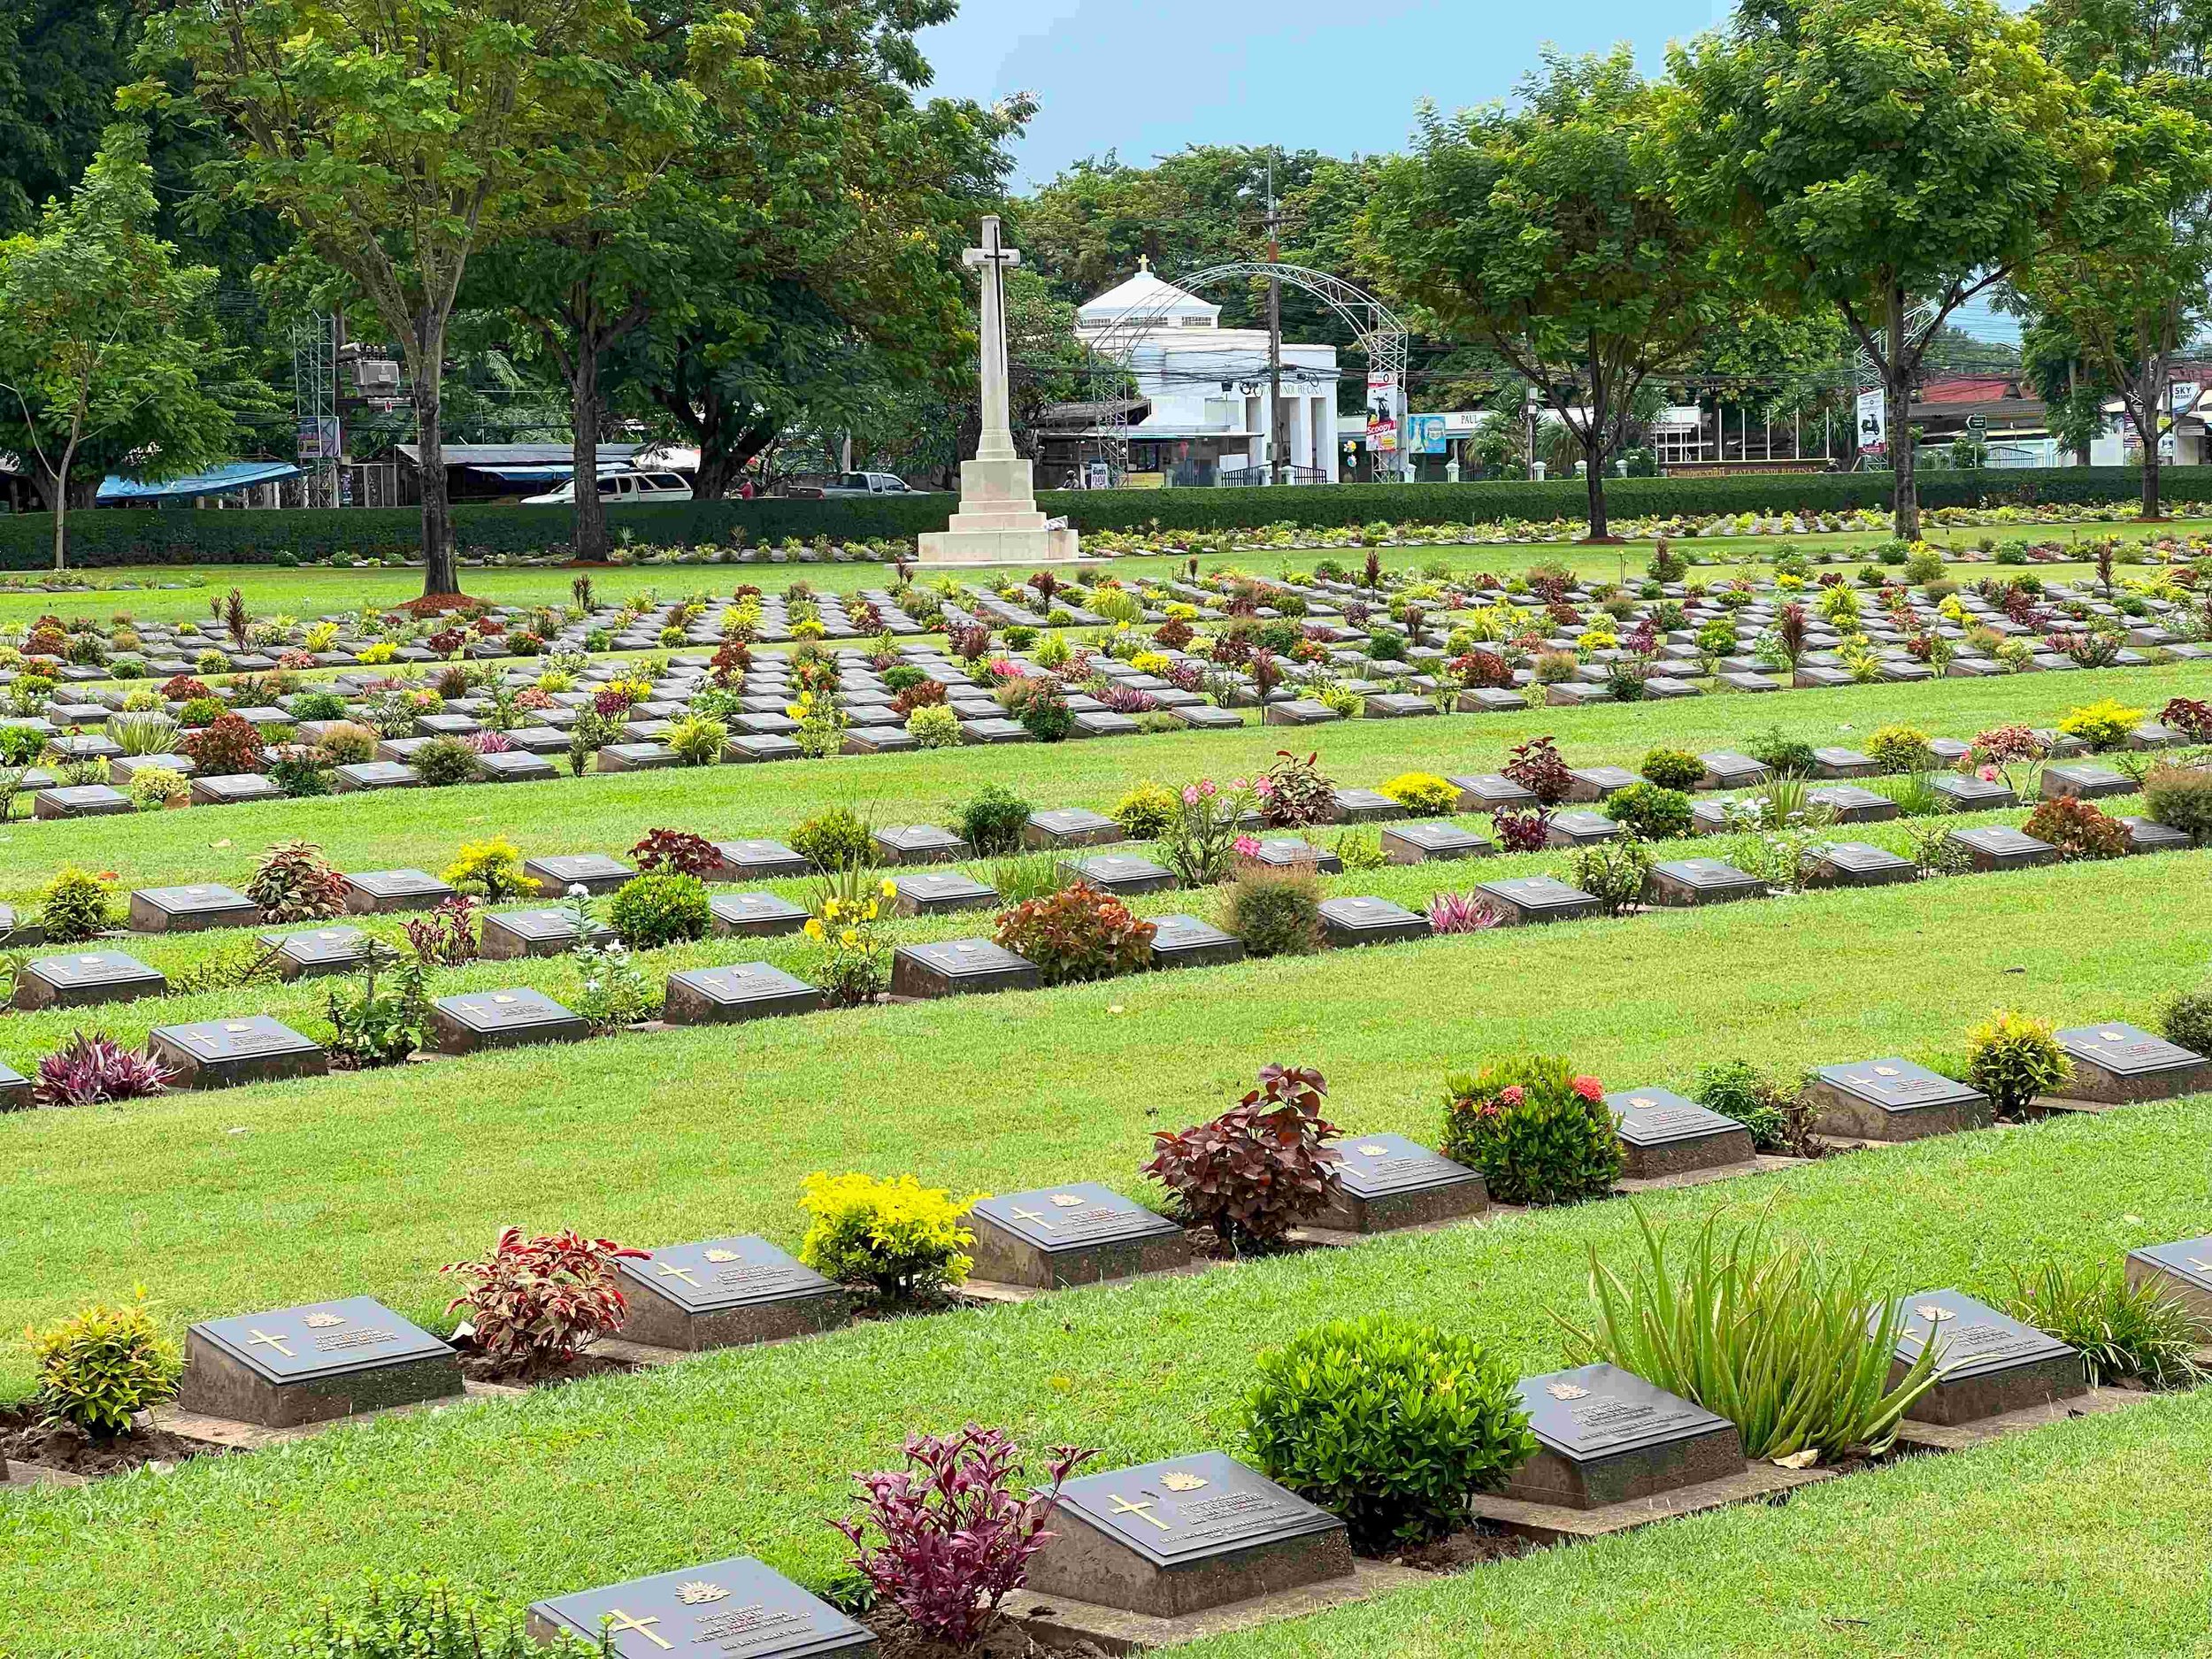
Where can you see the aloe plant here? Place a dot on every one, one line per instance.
(1795, 1352)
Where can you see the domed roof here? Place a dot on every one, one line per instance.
(1147, 295)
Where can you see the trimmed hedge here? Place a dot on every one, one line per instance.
(188, 536)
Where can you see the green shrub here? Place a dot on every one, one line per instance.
(2180, 797)
(1901, 748)
(992, 820)
(2013, 1057)
(1673, 769)
(933, 725)
(2186, 1019)
(1539, 1132)
(1275, 913)
(1780, 1118)
(1390, 1424)
(73, 906)
(1423, 793)
(1076, 933)
(2079, 829)
(2102, 725)
(318, 705)
(1783, 755)
(834, 840)
(697, 740)
(1145, 811)
(2125, 1333)
(412, 1618)
(1650, 812)
(153, 787)
(1614, 873)
(652, 910)
(98, 1366)
(1792, 1347)
(902, 1239)
(444, 760)
(491, 869)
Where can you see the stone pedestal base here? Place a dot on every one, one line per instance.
(998, 522)
(655, 1320)
(1039, 546)
(1002, 1258)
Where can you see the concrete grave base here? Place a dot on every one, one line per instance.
(1951, 1437)
(1847, 1117)
(2040, 1382)
(215, 1385)
(1559, 1524)
(236, 1435)
(1002, 1258)
(1390, 1213)
(1082, 1558)
(1642, 1472)
(654, 1321)
(1729, 1149)
(1062, 1620)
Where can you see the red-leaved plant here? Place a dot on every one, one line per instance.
(677, 852)
(2192, 716)
(93, 1070)
(228, 745)
(534, 1303)
(1260, 1167)
(1452, 912)
(1521, 829)
(1537, 767)
(446, 937)
(957, 1541)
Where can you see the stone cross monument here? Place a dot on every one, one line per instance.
(998, 522)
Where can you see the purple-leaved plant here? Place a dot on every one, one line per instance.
(94, 1070)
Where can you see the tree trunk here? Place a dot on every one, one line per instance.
(1897, 401)
(2153, 406)
(2150, 471)
(61, 529)
(591, 508)
(440, 571)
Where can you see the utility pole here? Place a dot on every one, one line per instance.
(1274, 337)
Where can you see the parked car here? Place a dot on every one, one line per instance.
(871, 484)
(621, 488)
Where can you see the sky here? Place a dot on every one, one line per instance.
(1147, 77)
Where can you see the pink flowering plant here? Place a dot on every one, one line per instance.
(1539, 1131)
(2012, 754)
(1200, 841)
(958, 1540)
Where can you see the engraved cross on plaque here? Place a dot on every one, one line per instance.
(669, 1269)
(993, 259)
(1028, 1215)
(1142, 1511)
(259, 1337)
(618, 1621)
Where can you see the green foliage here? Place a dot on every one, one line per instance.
(652, 910)
(904, 1240)
(2125, 1333)
(1076, 933)
(1612, 872)
(2186, 1019)
(1423, 793)
(73, 906)
(445, 760)
(1795, 1349)
(2079, 828)
(492, 870)
(834, 840)
(1672, 769)
(1539, 1132)
(1780, 1118)
(697, 740)
(373, 1025)
(2102, 725)
(1390, 1424)
(1649, 811)
(1276, 912)
(1782, 755)
(417, 1619)
(294, 882)
(2180, 797)
(100, 1366)
(2013, 1057)
(1145, 810)
(992, 820)
(934, 725)
(1900, 749)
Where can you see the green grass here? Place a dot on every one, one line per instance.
(423, 827)
(749, 1451)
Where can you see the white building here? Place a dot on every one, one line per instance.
(1207, 387)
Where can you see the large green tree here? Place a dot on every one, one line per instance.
(1890, 158)
(1545, 230)
(109, 358)
(393, 136)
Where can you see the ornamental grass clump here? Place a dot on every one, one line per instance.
(2013, 1057)
(1276, 912)
(956, 1540)
(1258, 1169)
(1539, 1131)
(899, 1239)
(1077, 933)
(2125, 1333)
(1793, 1348)
(96, 1070)
(1390, 1424)
(100, 1366)
(535, 1303)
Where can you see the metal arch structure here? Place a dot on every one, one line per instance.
(1378, 330)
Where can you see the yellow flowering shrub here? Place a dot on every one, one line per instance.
(1423, 792)
(490, 869)
(898, 1238)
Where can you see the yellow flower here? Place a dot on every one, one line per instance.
(829, 910)
(848, 937)
(890, 888)
(813, 927)
(871, 916)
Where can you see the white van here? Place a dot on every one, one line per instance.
(619, 489)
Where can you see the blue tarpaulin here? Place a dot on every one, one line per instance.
(216, 480)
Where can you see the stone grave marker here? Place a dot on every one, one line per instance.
(761, 746)
(191, 909)
(1857, 864)
(1385, 1181)
(1394, 705)
(1988, 1363)
(1185, 1534)
(936, 892)
(633, 757)
(1298, 712)
(754, 915)
(1206, 717)
(514, 766)
(1595, 783)
(318, 950)
(1664, 1133)
(1489, 792)
(234, 788)
(2146, 837)
(1417, 843)
(1364, 806)
(2118, 1063)
(1369, 921)
(1963, 792)
(1286, 852)
(992, 729)
(85, 976)
(727, 1293)
(1185, 942)
(759, 859)
(1851, 804)
(878, 740)
(219, 1052)
(1082, 1234)
(382, 892)
(1995, 847)
(1834, 761)
(2081, 778)
(1528, 899)
(745, 990)
(737, 1607)
(595, 872)
(956, 967)
(15, 1095)
(1891, 1099)
(313, 1363)
(357, 777)
(1579, 829)
(2182, 1270)
(80, 800)
(1724, 769)
(1606, 1436)
(1690, 881)
(1122, 873)
(508, 935)
(473, 1021)
(920, 844)
(1071, 826)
